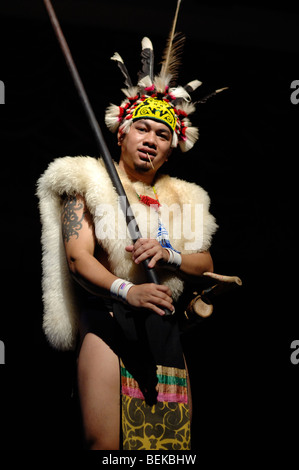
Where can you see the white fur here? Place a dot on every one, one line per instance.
(111, 117)
(87, 176)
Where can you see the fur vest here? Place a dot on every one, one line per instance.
(184, 212)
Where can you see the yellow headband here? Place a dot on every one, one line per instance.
(159, 110)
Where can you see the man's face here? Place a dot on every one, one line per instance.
(146, 139)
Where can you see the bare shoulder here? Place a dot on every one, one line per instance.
(74, 216)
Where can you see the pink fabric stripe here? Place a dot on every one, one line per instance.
(167, 397)
(172, 397)
(132, 392)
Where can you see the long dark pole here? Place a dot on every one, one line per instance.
(124, 202)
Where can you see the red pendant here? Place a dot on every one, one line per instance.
(149, 201)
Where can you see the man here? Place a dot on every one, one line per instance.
(126, 341)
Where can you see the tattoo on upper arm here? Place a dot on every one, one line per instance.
(71, 218)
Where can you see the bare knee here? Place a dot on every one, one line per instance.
(101, 443)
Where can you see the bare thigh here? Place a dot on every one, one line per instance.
(99, 392)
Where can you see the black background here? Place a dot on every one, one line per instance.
(245, 388)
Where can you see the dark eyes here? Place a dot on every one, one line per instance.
(159, 134)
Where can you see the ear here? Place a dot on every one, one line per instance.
(120, 138)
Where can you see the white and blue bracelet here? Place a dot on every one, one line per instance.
(119, 289)
(175, 259)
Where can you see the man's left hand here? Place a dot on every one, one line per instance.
(146, 248)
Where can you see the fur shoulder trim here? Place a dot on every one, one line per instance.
(88, 177)
(198, 224)
(69, 175)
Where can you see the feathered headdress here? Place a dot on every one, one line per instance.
(156, 96)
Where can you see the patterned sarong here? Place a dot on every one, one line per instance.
(162, 426)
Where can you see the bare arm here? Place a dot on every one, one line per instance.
(80, 242)
(197, 263)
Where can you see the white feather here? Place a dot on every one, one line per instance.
(175, 140)
(194, 84)
(117, 57)
(129, 92)
(180, 92)
(221, 89)
(161, 82)
(146, 43)
(188, 108)
(111, 117)
(191, 137)
(145, 82)
(125, 126)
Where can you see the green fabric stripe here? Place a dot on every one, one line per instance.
(167, 379)
(163, 379)
(125, 373)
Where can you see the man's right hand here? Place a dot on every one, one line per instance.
(151, 296)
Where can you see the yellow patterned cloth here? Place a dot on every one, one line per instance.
(162, 426)
(154, 108)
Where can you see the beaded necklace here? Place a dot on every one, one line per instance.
(162, 235)
(149, 201)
